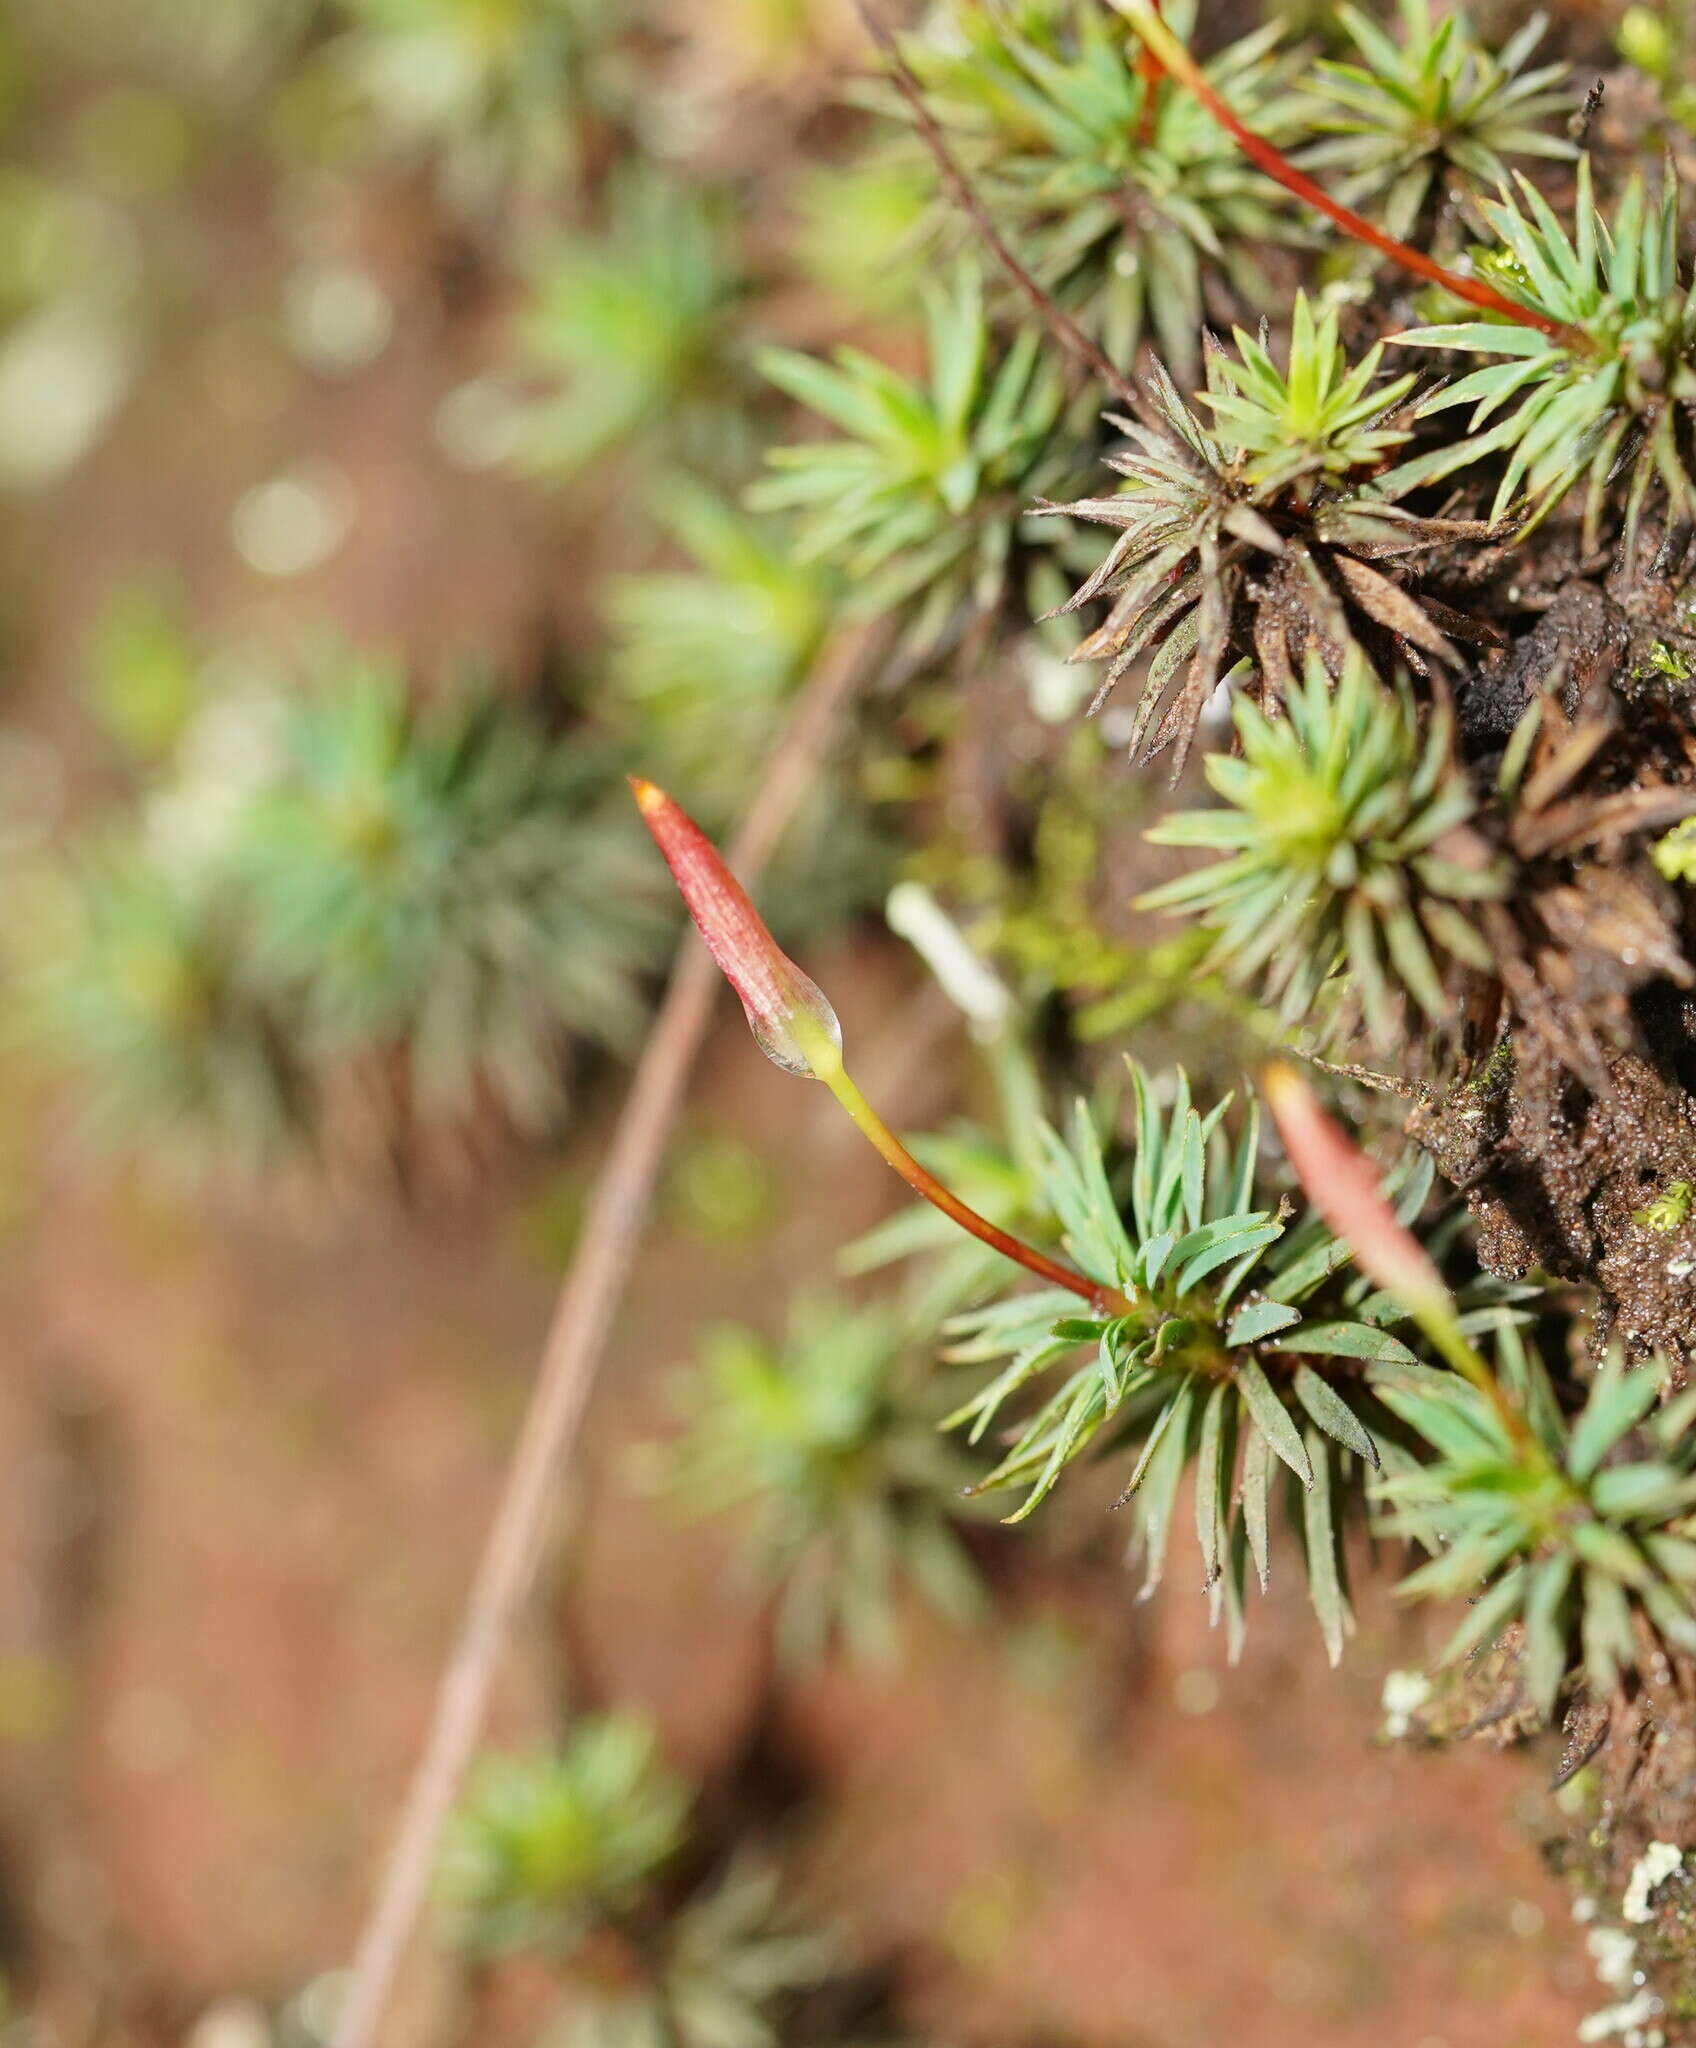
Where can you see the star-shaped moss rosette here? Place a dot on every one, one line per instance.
(1247, 540)
(920, 503)
(1584, 1534)
(1342, 848)
(1433, 106)
(1602, 390)
(1250, 1353)
(1120, 194)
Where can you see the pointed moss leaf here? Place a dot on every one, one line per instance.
(1618, 1401)
(982, 1409)
(1306, 1271)
(1324, 1582)
(1256, 1487)
(1411, 1374)
(1168, 1191)
(1159, 1490)
(1344, 1340)
(1147, 1153)
(1527, 1379)
(1240, 1243)
(1605, 1631)
(1045, 1303)
(1670, 1612)
(1677, 1419)
(1545, 1637)
(1408, 1186)
(1207, 1488)
(1173, 1331)
(1272, 1419)
(1245, 1161)
(1458, 1570)
(1195, 1168)
(1623, 1493)
(1610, 1551)
(1260, 1319)
(1153, 1258)
(1081, 1418)
(1232, 1583)
(1675, 1555)
(1098, 1194)
(1334, 1415)
(1173, 1415)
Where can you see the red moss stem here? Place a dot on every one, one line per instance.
(1151, 71)
(1144, 17)
(1104, 1300)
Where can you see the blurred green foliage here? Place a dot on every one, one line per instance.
(1413, 113)
(350, 907)
(827, 1446)
(144, 673)
(920, 503)
(547, 1847)
(1126, 200)
(491, 91)
(576, 1855)
(630, 331)
(701, 660)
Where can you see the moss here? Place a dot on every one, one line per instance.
(1675, 855)
(1496, 1072)
(1669, 1211)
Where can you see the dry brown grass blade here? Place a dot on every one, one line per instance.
(1583, 822)
(570, 1357)
(1391, 606)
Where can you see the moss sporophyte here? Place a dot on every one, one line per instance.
(795, 1025)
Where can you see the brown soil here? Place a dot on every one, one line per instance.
(1026, 1820)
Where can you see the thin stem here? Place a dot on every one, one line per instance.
(827, 1066)
(1145, 19)
(1151, 71)
(1064, 329)
(571, 1355)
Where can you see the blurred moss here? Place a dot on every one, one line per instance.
(702, 659)
(143, 667)
(491, 96)
(720, 1188)
(826, 1442)
(550, 1218)
(631, 334)
(859, 231)
(36, 1698)
(133, 142)
(547, 1847)
(347, 919)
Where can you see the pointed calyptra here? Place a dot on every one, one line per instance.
(789, 1014)
(1343, 1186)
(794, 1024)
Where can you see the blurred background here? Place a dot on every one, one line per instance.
(381, 389)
